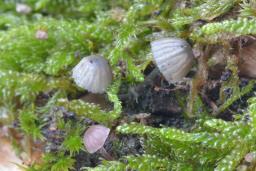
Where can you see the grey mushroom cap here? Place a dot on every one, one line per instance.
(93, 73)
(173, 56)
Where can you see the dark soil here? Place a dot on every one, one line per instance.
(154, 96)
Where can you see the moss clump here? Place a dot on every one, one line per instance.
(38, 95)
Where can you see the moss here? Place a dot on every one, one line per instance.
(36, 89)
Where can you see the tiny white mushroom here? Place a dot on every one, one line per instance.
(250, 157)
(93, 73)
(173, 57)
(23, 8)
(247, 61)
(41, 34)
(94, 139)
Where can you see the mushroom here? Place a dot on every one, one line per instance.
(250, 157)
(173, 56)
(93, 73)
(23, 8)
(95, 138)
(247, 60)
(41, 34)
(248, 163)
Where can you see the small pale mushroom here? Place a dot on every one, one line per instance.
(173, 56)
(247, 61)
(93, 73)
(41, 34)
(23, 8)
(250, 157)
(94, 139)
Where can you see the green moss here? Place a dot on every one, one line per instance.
(223, 31)
(89, 110)
(205, 11)
(29, 124)
(233, 85)
(73, 141)
(35, 77)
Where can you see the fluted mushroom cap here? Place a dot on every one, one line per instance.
(173, 57)
(95, 137)
(93, 73)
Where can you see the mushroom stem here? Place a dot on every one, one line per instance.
(105, 154)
